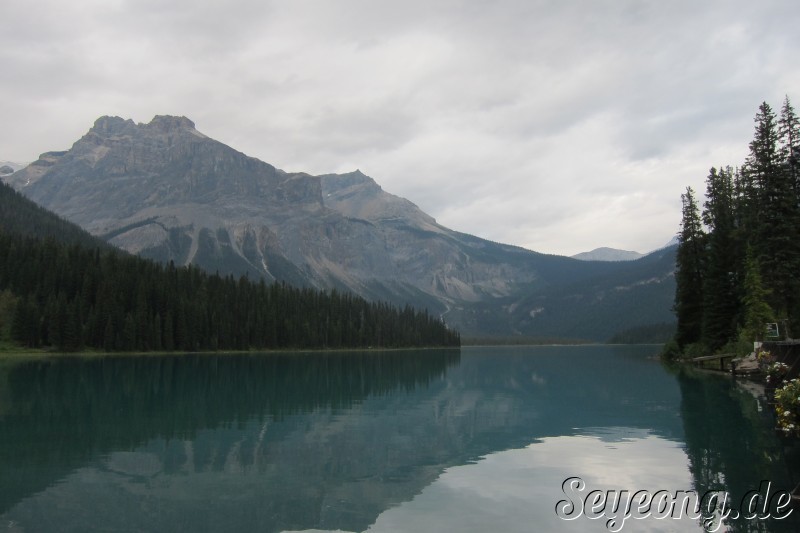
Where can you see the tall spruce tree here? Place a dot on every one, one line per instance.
(721, 306)
(689, 273)
(757, 210)
(775, 239)
(789, 144)
(789, 153)
(745, 208)
(757, 311)
(763, 159)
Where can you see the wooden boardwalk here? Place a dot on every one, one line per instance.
(787, 352)
(717, 361)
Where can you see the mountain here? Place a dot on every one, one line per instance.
(63, 288)
(166, 191)
(608, 254)
(9, 167)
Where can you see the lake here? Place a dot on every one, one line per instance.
(507, 439)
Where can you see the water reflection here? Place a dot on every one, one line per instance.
(512, 491)
(732, 445)
(345, 441)
(60, 413)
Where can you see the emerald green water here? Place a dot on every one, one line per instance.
(474, 440)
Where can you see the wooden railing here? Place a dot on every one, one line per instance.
(719, 359)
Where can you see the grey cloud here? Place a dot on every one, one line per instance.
(558, 125)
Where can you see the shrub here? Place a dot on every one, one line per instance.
(787, 407)
(776, 372)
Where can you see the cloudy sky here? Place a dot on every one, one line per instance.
(557, 125)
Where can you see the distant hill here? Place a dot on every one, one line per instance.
(165, 191)
(9, 167)
(608, 254)
(672, 242)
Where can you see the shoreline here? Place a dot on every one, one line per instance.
(45, 353)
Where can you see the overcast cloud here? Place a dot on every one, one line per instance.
(557, 125)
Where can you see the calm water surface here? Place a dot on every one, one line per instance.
(475, 440)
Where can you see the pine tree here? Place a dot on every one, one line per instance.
(69, 297)
(689, 273)
(26, 322)
(756, 209)
(776, 233)
(789, 144)
(789, 151)
(7, 304)
(721, 299)
(763, 160)
(757, 312)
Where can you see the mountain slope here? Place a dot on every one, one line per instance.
(62, 288)
(21, 216)
(608, 254)
(168, 192)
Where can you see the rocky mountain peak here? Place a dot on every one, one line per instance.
(357, 195)
(333, 183)
(107, 125)
(168, 192)
(121, 173)
(167, 123)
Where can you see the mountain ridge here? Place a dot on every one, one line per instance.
(608, 254)
(168, 192)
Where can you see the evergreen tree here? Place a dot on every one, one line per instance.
(756, 210)
(789, 144)
(68, 296)
(689, 273)
(26, 322)
(757, 311)
(8, 303)
(776, 233)
(789, 150)
(763, 159)
(721, 299)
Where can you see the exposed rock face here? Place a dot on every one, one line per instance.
(166, 191)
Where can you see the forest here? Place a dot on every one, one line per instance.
(738, 257)
(61, 289)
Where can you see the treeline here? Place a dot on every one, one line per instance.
(648, 334)
(738, 259)
(62, 288)
(70, 297)
(520, 340)
(20, 216)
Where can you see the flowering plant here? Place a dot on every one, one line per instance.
(787, 407)
(775, 373)
(764, 358)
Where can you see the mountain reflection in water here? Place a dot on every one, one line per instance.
(379, 441)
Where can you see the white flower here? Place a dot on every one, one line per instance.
(786, 413)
